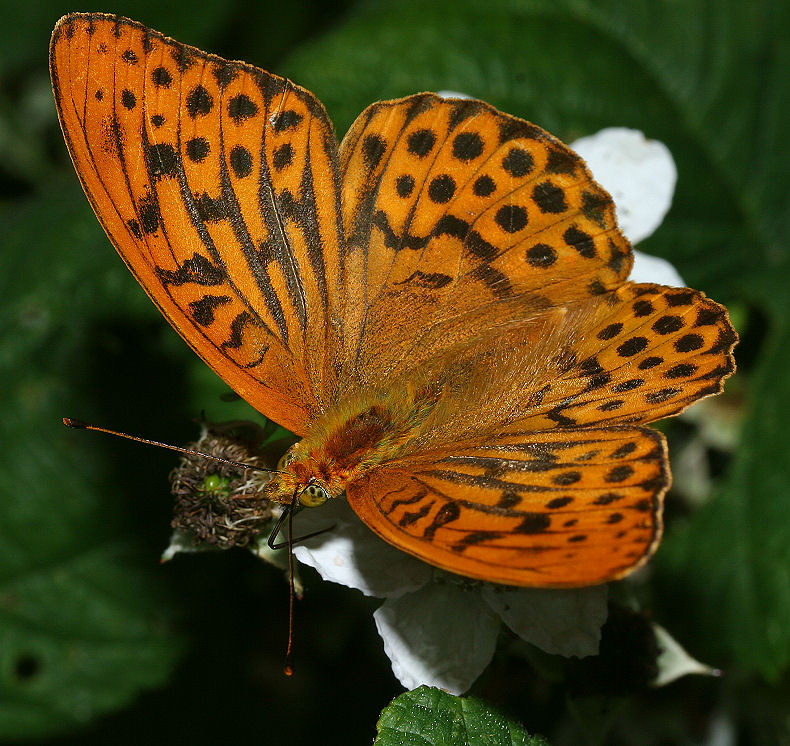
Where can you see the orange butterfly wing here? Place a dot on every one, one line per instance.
(217, 184)
(547, 509)
(461, 220)
(534, 474)
(647, 353)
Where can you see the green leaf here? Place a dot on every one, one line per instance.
(85, 621)
(431, 717)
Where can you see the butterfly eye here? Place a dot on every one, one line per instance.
(313, 495)
(285, 460)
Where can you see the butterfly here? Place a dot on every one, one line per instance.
(437, 305)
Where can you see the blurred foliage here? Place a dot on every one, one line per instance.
(99, 641)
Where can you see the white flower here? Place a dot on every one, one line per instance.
(640, 175)
(674, 661)
(440, 629)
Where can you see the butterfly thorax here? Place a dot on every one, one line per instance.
(349, 440)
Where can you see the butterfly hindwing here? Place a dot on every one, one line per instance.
(217, 183)
(640, 354)
(547, 509)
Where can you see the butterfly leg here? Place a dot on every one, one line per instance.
(287, 515)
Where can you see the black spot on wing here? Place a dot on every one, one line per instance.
(210, 209)
(484, 186)
(421, 142)
(149, 214)
(224, 74)
(285, 120)
(128, 99)
(197, 148)
(283, 156)
(161, 160)
(198, 269)
(561, 161)
(373, 149)
(241, 108)
(199, 102)
(534, 523)
(240, 161)
(236, 328)
(467, 146)
(404, 185)
(448, 513)
(518, 162)
(161, 77)
(202, 310)
(474, 538)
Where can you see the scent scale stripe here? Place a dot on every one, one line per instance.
(230, 208)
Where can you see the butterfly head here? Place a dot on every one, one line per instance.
(296, 476)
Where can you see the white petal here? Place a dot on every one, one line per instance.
(560, 621)
(184, 542)
(674, 661)
(452, 94)
(652, 269)
(349, 553)
(640, 175)
(441, 635)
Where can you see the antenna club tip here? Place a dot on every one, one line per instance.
(70, 422)
(288, 669)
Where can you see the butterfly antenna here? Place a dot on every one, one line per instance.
(288, 668)
(80, 425)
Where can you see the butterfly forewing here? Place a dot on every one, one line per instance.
(460, 219)
(539, 509)
(217, 183)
